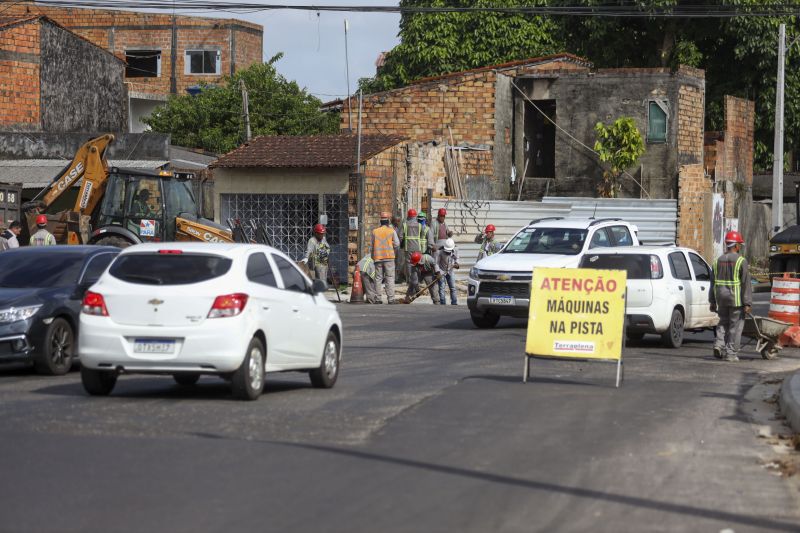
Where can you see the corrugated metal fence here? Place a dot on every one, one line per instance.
(657, 219)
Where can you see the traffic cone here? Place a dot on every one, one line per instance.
(357, 294)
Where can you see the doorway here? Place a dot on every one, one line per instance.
(540, 139)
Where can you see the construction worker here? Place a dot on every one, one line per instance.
(487, 242)
(400, 260)
(731, 297)
(11, 234)
(439, 229)
(42, 237)
(428, 273)
(318, 252)
(384, 245)
(141, 206)
(368, 274)
(447, 260)
(415, 237)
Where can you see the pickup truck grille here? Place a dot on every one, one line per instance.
(518, 290)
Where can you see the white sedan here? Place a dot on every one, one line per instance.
(667, 289)
(187, 309)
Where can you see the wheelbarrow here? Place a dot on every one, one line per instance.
(770, 335)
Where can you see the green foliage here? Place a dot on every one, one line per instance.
(620, 145)
(213, 120)
(434, 44)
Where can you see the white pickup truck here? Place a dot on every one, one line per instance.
(500, 285)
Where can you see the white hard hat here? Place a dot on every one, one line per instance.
(449, 245)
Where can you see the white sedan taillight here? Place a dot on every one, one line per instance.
(94, 304)
(228, 305)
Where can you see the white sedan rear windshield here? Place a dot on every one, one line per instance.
(169, 268)
(565, 241)
(636, 265)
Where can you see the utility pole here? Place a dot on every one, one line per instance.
(362, 186)
(347, 71)
(777, 158)
(245, 110)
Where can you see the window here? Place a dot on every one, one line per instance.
(701, 270)
(97, 265)
(28, 270)
(679, 266)
(600, 239)
(638, 266)
(169, 269)
(293, 280)
(656, 122)
(202, 62)
(622, 237)
(259, 271)
(143, 63)
(568, 241)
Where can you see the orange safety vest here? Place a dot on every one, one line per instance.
(383, 243)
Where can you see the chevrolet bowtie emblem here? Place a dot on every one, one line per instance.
(503, 277)
(156, 301)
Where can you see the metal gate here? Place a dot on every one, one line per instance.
(289, 218)
(10, 201)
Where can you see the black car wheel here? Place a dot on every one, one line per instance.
(673, 337)
(324, 377)
(54, 357)
(98, 382)
(484, 320)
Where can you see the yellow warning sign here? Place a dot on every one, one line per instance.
(576, 313)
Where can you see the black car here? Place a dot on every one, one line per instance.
(41, 290)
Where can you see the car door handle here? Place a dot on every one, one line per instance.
(265, 308)
(295, 309)
(702, 288)
(680, 287)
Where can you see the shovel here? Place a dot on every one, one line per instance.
(409, 299)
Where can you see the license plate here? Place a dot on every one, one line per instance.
(502, 300)
(153, 346)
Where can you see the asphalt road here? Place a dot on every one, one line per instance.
(428, 429)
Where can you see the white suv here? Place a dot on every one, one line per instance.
(667, 286)
(500, 284)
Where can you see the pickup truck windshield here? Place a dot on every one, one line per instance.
(564, 241)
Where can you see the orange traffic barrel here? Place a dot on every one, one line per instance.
(784, 302)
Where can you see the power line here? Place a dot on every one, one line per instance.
(625, 10)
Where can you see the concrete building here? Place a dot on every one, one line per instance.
(287, 184)
(164, 54)
(53, 80)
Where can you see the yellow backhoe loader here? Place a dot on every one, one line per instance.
(121, 207)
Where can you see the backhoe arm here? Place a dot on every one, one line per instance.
(90, 164)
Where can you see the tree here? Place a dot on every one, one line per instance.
(437, 43)
(213, 120)
(620, 145)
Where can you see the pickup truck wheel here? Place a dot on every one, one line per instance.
(634, 335)
(673, 337)
(119, 242)
(484, 320)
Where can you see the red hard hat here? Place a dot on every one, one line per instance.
(41, 219)
(489, 228)
(734, 236)
(319, 228)
(416, 257)
(412, 212)
(442, 212)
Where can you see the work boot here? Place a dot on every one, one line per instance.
(731, 358)
(717, 352)
(392, 302)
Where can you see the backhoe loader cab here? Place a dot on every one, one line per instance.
(146, 206)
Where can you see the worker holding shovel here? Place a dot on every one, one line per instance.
(428, 273)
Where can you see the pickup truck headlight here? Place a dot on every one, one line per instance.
(474, 273)
(14, 314)
(773, 248)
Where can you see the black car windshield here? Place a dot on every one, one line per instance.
(25, 270)
(169, 268)
(563, 241)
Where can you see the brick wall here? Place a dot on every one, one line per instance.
(739, 125)
(691, 117)
(695, 189)
(118, 31)
(19, 76)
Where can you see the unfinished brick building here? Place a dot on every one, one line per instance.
(53, 80)
(165, 54)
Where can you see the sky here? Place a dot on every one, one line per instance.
(314, 46)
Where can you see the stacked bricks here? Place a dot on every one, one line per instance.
(19, 75)
(118, 31)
